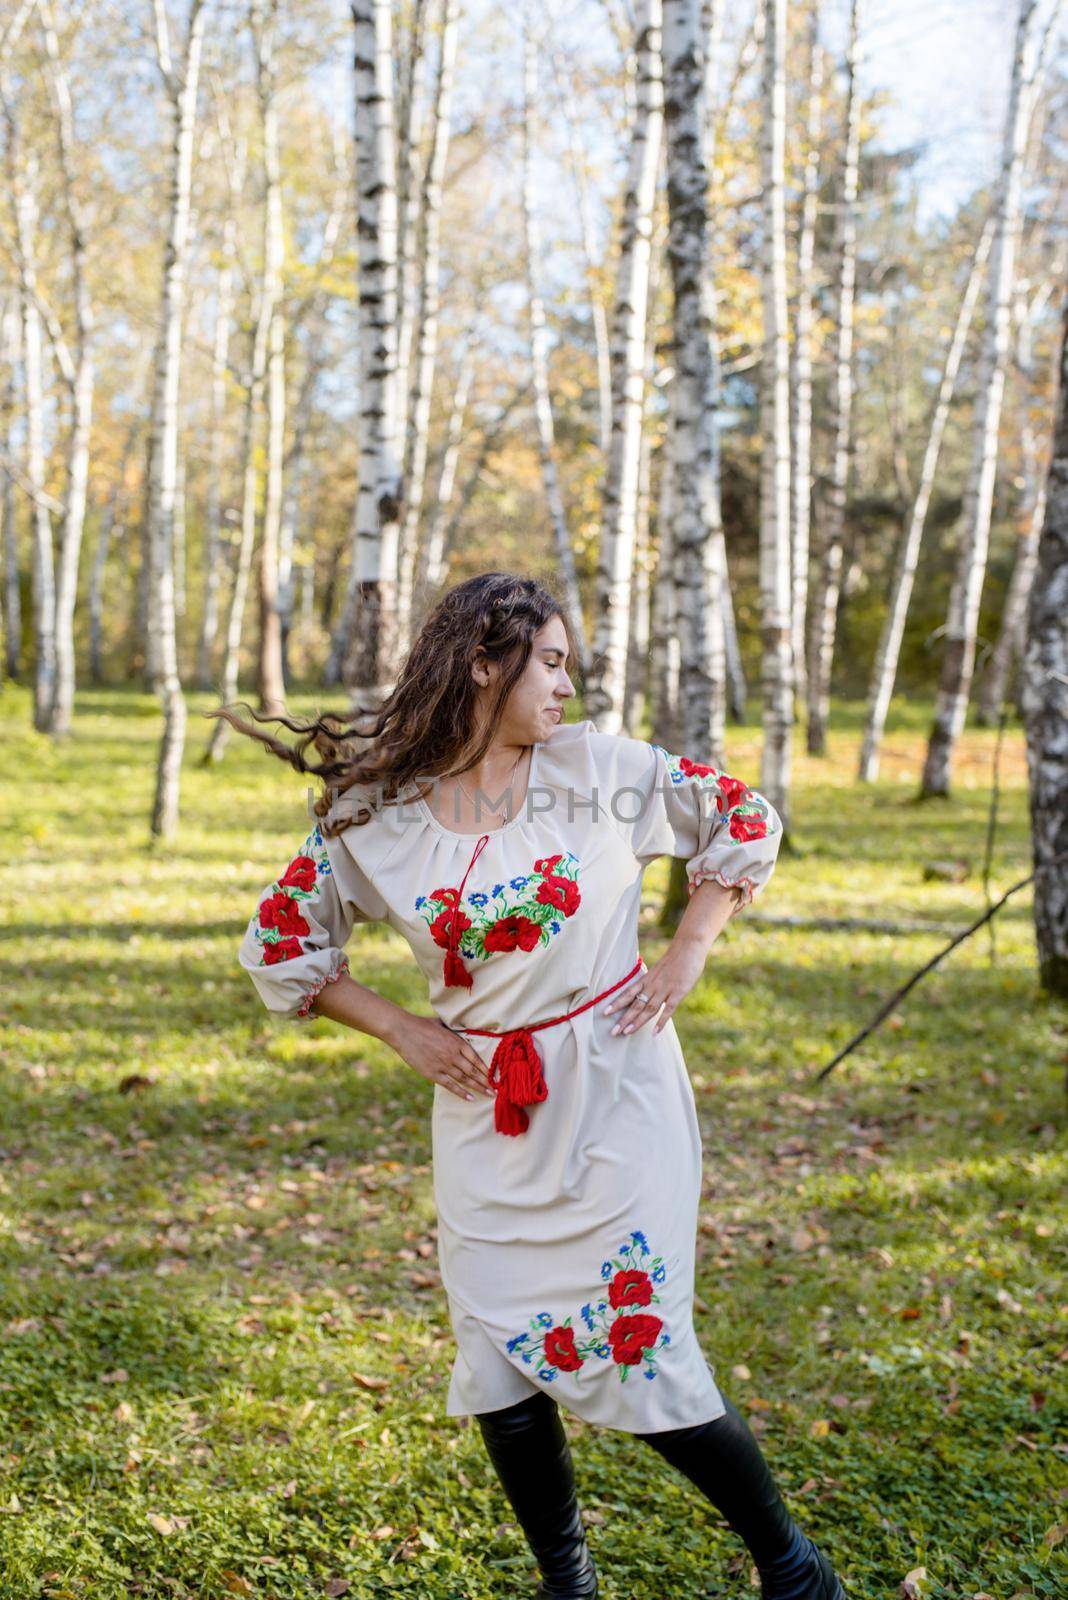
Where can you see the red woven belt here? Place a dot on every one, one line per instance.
(515, 1071)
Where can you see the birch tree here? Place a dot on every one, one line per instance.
(606, 683)
(802, 353)
(571, 119)
(413, 473)
(539, 363)
(1045, 708)
(180, 82)
(263, 17)
(233, 152)
(11, 342)
(254, 397)
(433, 563)
(78, 368)
(23, 172)
(775, 568)
(884, 672)
(696, 519)
(364, 648)
(825, 607)
(962, 621)
(1032, 512)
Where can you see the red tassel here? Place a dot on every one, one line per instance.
(455, 974)
(515, 1072)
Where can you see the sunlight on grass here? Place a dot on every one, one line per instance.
(224, 1349)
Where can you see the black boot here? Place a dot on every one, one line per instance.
(725, 1462)
(528, 1447)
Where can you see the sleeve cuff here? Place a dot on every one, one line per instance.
(340, 966)
(745, 887)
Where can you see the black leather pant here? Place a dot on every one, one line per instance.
(528, 1448)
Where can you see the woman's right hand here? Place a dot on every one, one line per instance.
(441, 1056)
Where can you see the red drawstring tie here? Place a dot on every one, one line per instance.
(454, 972)
(515, 1071)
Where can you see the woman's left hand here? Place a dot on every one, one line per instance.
(664, 984)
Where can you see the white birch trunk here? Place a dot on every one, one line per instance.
(697, 523)
(254, 391)
(1032, 513)
(413, 474)
(802, 356)
(664, 641)
(884, 672)
(44, 583)
(825, 607)
(775, 569)
(411, 193)
(606, 681)
(433, 564)
(1045, 709)
(598, 315)
(12, 346)
(181, 88)
(271, 686)
(962, 621)
(539, 362)
(639, 682)
(364, 649)
(220, 360)
(81, 388)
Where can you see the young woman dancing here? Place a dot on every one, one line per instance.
(507, 846)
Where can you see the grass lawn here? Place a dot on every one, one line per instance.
(224, 1346)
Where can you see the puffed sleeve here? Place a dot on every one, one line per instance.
(294, 943)
(716, 823)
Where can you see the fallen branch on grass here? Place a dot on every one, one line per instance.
(885, 1010)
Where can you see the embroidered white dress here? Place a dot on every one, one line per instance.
(566, 1250)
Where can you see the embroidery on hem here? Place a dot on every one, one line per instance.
(617, 1332)
(341, 966)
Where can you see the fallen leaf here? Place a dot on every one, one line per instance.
(914, 1583)
(337, 1586)
(1055, 1535)
(236, 1583)
(120, 1375)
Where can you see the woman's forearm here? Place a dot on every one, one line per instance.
(361, 1008)
(709, 909)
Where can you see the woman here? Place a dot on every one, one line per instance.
(566, 1148)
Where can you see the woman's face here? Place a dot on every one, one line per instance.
(535, 705)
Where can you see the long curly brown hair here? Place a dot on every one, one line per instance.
(426, 726)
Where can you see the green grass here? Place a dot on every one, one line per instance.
(224, 1346)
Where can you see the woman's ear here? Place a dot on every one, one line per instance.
(480, 669)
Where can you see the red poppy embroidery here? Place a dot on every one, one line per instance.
(279, 924)
(746, 812)
(522, 913)
(613, 1331)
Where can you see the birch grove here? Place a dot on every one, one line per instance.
(886, 660)
(644, 300)
(962, 621)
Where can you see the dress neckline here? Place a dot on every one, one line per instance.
(454, 833)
